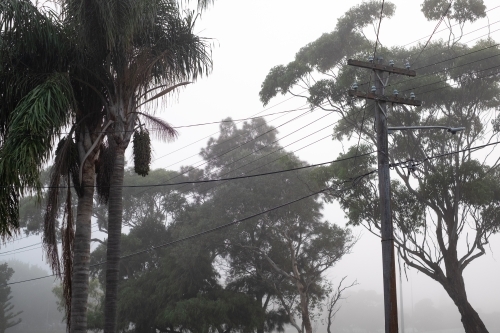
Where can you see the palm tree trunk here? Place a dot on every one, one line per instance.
(115, 212)
(81, 254)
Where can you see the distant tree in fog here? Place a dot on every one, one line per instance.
(285, 252)
(7, 318)
(35, 299)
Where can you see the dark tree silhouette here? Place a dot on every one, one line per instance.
(7, 318)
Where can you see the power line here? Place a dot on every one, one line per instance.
(445, 60)
(353, 180)
(322, 117)
(445, 28)
(472, 149)
(460, 56)
(275, 151)
(234, 148)
(254, 118)
(279, 149)
(459, 81)
(204, 139)
(266, 146)
(242, 119)
(471, 40)
(33, 234)
(24, 247)
(196, 125)
(268, 108)
(437, 26)
(446, 69)
(16, 251)
(199, 234)
(378, 29)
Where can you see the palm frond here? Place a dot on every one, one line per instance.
(66, 163)
(32, 44)
(9, 210)
(163, 130)
(188, 56)
(165, 91)
(27, 30)
(34, 126)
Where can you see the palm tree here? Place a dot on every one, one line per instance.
(97, 67)
(35, 95)
(45, 87)
(150, 50)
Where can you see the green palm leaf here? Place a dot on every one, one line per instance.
(33, 128)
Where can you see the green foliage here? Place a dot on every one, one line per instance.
(220, 309)
(359, 16)
(33, 127)
(179, 287)
(175, 287)
(461, 10)
(251, 246)
(6, 316)
(327, 54)
(444, 197)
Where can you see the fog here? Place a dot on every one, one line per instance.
(248, 40)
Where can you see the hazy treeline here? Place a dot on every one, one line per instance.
(35, 300)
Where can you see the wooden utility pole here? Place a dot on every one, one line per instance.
(388, 257)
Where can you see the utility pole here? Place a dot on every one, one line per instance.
(377, 94)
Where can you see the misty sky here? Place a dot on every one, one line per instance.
(251, 37)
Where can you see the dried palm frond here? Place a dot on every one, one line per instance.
(163, 130)
(142, 152)
(104, 169)
(65, 164)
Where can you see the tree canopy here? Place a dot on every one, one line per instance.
(444, 194)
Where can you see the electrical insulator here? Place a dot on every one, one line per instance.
(412, 95)
(396, 93)
(354, 86)
(391, 63)
(374, 89)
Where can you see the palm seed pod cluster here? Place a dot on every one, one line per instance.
(142, 152)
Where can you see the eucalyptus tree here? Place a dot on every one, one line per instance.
(150, 50)
(281, 257)
(444, 197)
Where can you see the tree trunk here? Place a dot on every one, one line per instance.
(455, 288)
(115, 210)
(260, 326)
(304, 308)
(81, 252)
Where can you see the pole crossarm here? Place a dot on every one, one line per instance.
(452, 130)
(380, 67)
(383, 98)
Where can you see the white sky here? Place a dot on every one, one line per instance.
(250, 38)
